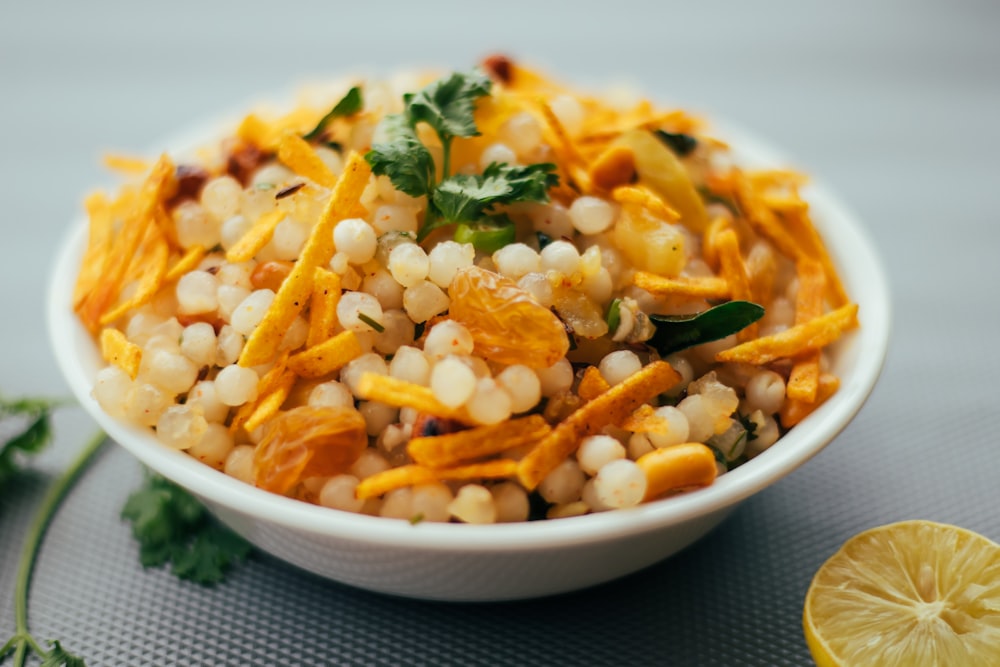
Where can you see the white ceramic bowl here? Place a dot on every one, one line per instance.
(507, 561)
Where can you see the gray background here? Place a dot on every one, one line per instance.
(894, 105)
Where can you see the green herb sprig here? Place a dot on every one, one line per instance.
(36, 414)
(448, 107)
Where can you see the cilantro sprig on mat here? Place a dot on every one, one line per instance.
(448, 107)
(36, 416)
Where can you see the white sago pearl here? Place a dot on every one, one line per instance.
(517, 259)
(236, 274)
(563, 484)
(394, 218)
(398, 331)
(677, 432)
(198, 343)
(409, 415)
(430, 502)
(377, 415)
(371, 362)
(591, 215)
(684, 368)
(340, 263)
(424, 300)
(446, 258)
(111, 387)
(229, 298)
(370, 462)
(330, 394)
(599, 286)
(411, 365)
(448, 337)
(390, 442)
(141, 326)
(566, 510)
(354, 304)
(295, 336)
(338, 493)
(619, 366)
(398, 504)
(620, 483)
(498, 152)
(196, 293)
(701, 424)
(203, 396)
(569, 112)
(251, 311)
(273, 173)
(180, 427)
(597, 450)
(171, 371)
(539, 287)
(639, 444)
(194, 226)
(489, 404)
(408, 264)
(511, 502)
(552, 220)
(590, 261)
(589, 496)
(765, 391)
(765, 435)
(232, 230)
(452, 381)
(522, 385)
(556, 378)
(214, 446)
(330, 158)
(289, 237)
(522, 133)
(473, 504)
(239, 463)
(383, 286)
(235, 385)
(355, 238)
(146, 402)
(221, 197)
(230, 346)
(561, 256)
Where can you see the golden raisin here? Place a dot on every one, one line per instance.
(308, 442)
(270, 275)
(506, 323)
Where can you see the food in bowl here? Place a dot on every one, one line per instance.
(481, 298)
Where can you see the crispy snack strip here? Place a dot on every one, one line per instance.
(646, 199)
(297, 287)
(592, 384)
(326, 357)
(645, 420)
(154, 262)
(402, 394)
(267, 384)
(804, 377)
(734, 271)
(708, 287)
(256, 237)
(323, 306)
(296, 153)
(187, 262)
(268, 405)
(812, 335)
(441, 451)
(792, 412)
(411, 475)
(118, 350)
(612, 407)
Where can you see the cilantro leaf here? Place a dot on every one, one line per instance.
(172, 526)
(60, 657)
(349, 105)
(37, 414)
(467, 197)
(402, 157)
(448, 105)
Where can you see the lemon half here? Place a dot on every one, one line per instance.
(912, 593)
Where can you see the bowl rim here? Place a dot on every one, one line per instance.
(848, 243)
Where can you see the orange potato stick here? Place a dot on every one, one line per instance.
(645, 420)
(785, 203)
(296, 153)
(646, 199)
(794, 411)
(612, 407)
(265, 386)
(592, 384)
(126, 164)
(326, 357)
(709, 244)
(268, 405)
(762, 218)
(453, 448)
(256, 237)
(563, 144)
(254, 130)
(803, 379)
(323, 306)
(402, 394)
(612, 168)
(411, 475)
(118, 350)
(318, 249)
(154, 265)
(791, 342)
(709, 287)
(98, 241)
(734, 271)
(802, 229)
(676, 468)
(187, 262)
(122, 250)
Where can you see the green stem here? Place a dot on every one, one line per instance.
(33, 542)
(445, 157)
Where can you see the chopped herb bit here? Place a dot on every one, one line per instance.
(373, 323)
(749, 425)
(335, 146)
(681, 144)
(678, 332)
(402, 158)
(418, 330)
(288, 190)
(349, 105)
(264, 186)
(417, 518)
(614, 315)
(543, 240)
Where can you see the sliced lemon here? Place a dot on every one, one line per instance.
(910, 593)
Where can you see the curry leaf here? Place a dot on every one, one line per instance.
(677, 332)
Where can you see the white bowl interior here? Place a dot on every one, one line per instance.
(460, 562)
